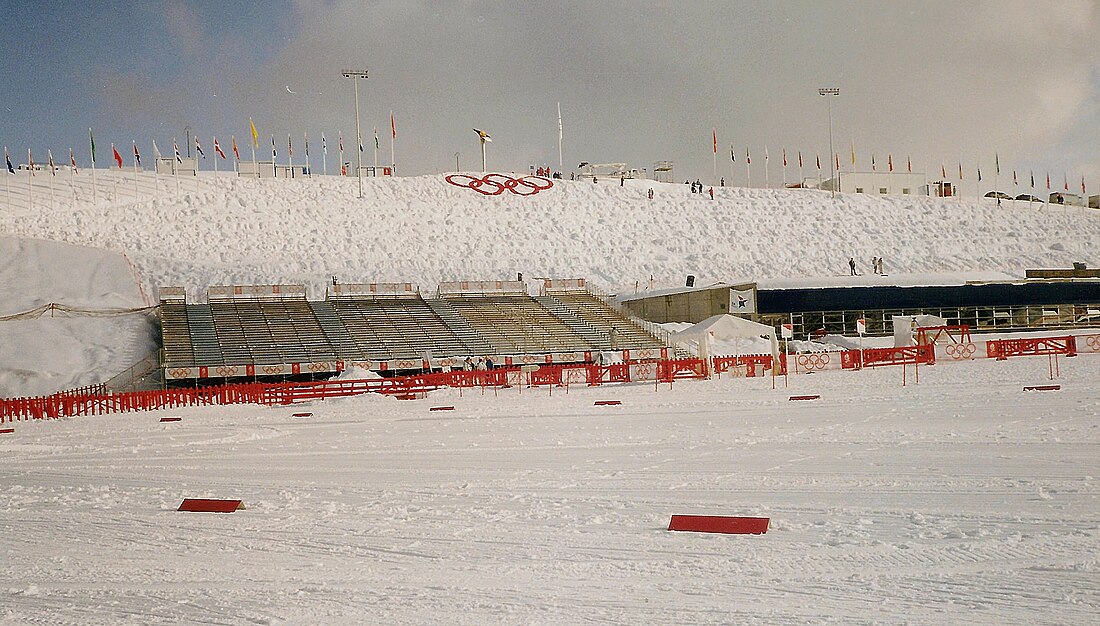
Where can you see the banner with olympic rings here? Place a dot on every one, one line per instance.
(496, 184)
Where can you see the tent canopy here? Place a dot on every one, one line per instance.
(725, 327)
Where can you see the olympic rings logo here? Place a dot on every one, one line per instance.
(496, 184)
(814, 360)
(1093, 341)
(961, 351)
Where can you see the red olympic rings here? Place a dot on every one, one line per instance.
(960, 351)
(814, 360)
(496, 184)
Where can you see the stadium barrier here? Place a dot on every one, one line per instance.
(98, 400)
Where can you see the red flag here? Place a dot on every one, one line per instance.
(890, 161)
(715, 134)
(909, 165)
(837, 155)
(393, 127)
(1083, 192)
(819, 163)
(137, 157)
(72, 160)
(1048, 181)
(118, 157)
(799, 159)
(218, 148)
(784, 157)
(235, 153)
(748, 160)
(873, 168)
(960, 170)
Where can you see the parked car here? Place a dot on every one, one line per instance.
(1028, 198)
(1000, 195)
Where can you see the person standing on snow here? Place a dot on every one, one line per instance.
(852, 265)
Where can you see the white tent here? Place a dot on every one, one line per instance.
(725, 327)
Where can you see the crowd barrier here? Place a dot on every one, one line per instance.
(97, 400)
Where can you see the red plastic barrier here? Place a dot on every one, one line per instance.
(1002, 349)
(1043, 388)
(204, 505)
(442, 408)
(171, 419)
(302, 415)
(720, 524)
(803, 398)
(874, 357)
(4, 431)
(608, 402)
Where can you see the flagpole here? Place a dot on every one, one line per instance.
(748, 173)
(561, 168)
(30, 180)
(767, 181)
(393, 138)
(175, 159)
(324, 156)
(156, 172)
(375, 150)
(72, 183)
(53, 201)
(91, 139)
(137, 194)
(7, 175)
(784, 168)
(216, 149)
(290, 155)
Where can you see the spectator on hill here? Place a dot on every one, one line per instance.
(852, 265)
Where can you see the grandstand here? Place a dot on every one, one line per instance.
(261, 331)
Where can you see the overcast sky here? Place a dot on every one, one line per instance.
(935, 81)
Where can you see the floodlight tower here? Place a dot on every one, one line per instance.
(357, 74)
(831, 91)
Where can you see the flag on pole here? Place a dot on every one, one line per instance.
(714, 136)
(324, 146)
(274, 152)
(340, 140)
(176, 146)
(72, 159)
(91, 138)
(375, 137)
(854, 153)
(1014, 183)
(799, 159)
(156, 153)
(118, 157)
(393, 127)
(1083, 192)
(1032, 179)
(733, 157)
(748, 160)
(305, 137)
(997, 162)
(137, 156)
(1048, 181)
(198, 148)
(943, 170)
(233, 138)
(837, 155)
(909, 165)
(218, 149)
(960, 170)
(890, 161)
(30, 163)
(49, 156)
(819, 164)
(765, 154)
(289, 146)
(979, 174)
(873, 168)
(7, 159)
(1065, 182)
(255, 136)
(784, 157)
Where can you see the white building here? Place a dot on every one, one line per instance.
(878, 183)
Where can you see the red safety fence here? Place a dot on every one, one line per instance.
(1002, 349)
(754, 364)
(874, 357)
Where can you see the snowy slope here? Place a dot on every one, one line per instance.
(421, 229)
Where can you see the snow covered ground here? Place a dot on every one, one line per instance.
(960, 500)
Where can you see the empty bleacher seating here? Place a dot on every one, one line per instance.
(624, 333)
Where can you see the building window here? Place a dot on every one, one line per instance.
(859, 189)
(882, 190)
(905, 191)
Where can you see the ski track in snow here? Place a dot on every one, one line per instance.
(959, 500)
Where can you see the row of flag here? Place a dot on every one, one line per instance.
(890, 165)
(117, 157)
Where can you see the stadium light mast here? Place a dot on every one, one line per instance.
(355, 75)
(484, 137)
(831, 91)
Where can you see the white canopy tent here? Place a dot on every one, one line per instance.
(725, 327)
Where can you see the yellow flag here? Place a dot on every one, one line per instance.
(853, 153)
(255, 136)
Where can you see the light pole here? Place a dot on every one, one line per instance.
(354, 74)
(831, 91)
(457, 168)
